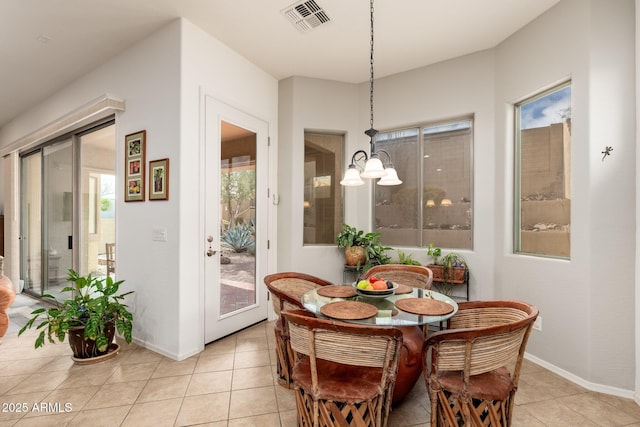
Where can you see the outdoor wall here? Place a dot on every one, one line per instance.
(586, 302)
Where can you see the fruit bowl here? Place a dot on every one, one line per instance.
(380, 293)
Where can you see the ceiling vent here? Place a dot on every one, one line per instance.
(306, 15)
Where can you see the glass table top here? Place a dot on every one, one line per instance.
(388, 314)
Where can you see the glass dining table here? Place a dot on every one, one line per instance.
(409, 316)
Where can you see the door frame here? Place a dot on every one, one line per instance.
(214, 111)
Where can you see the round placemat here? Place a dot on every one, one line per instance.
(349, 310)
(424, 306)
(403, 289)
(337, 291)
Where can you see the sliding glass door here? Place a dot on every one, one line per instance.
(67, 208)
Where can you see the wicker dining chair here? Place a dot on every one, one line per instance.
(474, 367)
(415, 276)
(348, 376)
(286, 291)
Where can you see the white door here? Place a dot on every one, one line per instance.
(236, 218)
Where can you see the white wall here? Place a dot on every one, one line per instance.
(161, 79)
(587, 303)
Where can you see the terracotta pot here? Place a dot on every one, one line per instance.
(456, 274)
(355, 255)
(86, 348)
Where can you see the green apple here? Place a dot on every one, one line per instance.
(362, 284)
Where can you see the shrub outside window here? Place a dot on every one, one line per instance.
(543, 171)
(434, 202)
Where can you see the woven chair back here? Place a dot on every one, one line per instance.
(287, 289)
(415, 276)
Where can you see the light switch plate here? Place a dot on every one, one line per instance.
(159, 235)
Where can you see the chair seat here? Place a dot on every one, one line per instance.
(340, 382)
(492, 385)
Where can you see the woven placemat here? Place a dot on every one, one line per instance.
(424, 306)
(403, 289)
(337, 291)
(349, 310)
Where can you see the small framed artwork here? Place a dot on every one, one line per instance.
(159, 179)
(134, 166)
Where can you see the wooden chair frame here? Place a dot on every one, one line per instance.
(474, 367)
(348, 376)
(415, 276)
(286, 291)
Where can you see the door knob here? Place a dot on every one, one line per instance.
(211, 252)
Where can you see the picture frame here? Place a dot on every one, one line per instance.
(134, 166)
(159, 179)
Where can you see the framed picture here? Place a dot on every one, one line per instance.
(159, 179)
(134, 166)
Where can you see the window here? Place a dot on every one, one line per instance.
(323, 211)
(434, 202)
(543, 171)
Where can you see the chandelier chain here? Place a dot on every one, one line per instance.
(371, 70)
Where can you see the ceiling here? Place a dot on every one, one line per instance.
(47, 44)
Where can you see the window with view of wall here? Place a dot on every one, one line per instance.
(543, 172)
(434, 204)
(323, 209)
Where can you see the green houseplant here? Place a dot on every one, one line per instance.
(91, 314)
(448, 270)
(361, 248)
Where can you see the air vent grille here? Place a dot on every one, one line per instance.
(306, 15)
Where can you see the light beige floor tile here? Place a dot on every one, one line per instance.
(105, 417)
(164, 388)
(252, 359)
(204, 408)
(116, 394)
(251, 344)
(553, 413)
(142, 355)
(8, 382)
(81, 379)
(215, 362)
(286, 398)
(252, 377)
(523, 418)
(41, 381)
(290, 418)
(18, 405)
(627, 406)
(210, 382)
(62, 363)
(409, 412)
(72, 399)
(253, 401)
(596, 410)
(46, 420)
(224, 346)
(171, 368)
(136, 372)
(267, 420)
(153, 414)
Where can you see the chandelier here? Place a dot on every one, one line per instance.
(373, 166)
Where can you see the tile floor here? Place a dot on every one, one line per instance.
(231, 383)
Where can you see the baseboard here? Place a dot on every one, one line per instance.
(164, 352)
(600, 388)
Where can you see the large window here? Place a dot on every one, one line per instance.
(434, 202)
(323, 212)
(543, 171)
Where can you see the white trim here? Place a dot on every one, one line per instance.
(614, 391)
(95, 109)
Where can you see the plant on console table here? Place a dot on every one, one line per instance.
(361, 249)
(448, 270)
(89, 318)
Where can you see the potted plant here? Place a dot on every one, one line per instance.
(89, 317)
(354, 243)
(448, 270)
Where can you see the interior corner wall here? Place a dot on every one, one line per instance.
(210, 68)
(592, 44)
(147, 77)
(312, 104)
